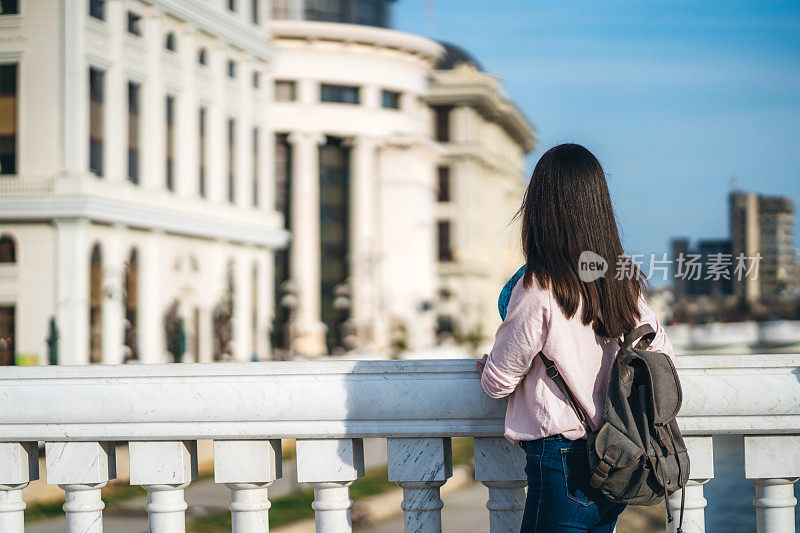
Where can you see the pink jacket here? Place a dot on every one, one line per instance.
(534, 323)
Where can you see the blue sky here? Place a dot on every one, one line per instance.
(676, 98)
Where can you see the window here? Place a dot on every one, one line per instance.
(390, 99)
(442, 122)
(445, 249)
(444, 184)
(201, 152)
(96, 305)
(231, 5)
(255, 167)
(9, 7)
(8, 118)
(342, 94)
(254, 11)
(96, 129)
(335, 230)
(256, 80)
(8, 249)
(368, 12)
(327, 10)
(231, 158)
(202, 57)
(134, 23)
(283, 178)
(131, 301)
(169, 115)
(8, 328)
(285, 91)
(134, 91)
(231, 68)
(97, 9)
(170, 42)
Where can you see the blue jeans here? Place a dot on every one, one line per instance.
(559, 495)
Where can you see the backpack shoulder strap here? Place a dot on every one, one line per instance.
(555, 375)
(640, 337)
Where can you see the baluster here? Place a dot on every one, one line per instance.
(164, 469)
(772, 464)
(500, 466)
(248, 467)
(330, 466)
(420, 466)
(81, 469)
(701, 459)
(19, 465)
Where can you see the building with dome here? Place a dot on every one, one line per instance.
(400, 230)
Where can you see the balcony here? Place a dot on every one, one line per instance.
(329, 407)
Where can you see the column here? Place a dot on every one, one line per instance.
(772, 464)
(115, 125)
(330, 466)
(187, 132)
(500, 466)
(19, 465)
(113, 298)
(248, 468)
(164, 470)
(242, 307)
(297, 7)
(217, 133)
(264, 303)
(308, 336)
(364, 241)
(266, 151)
(244, 134)
(701, 458)
(81, 469)
(153, 107)
(206, 337)
(72, 291)
(75, 99)
(420, 466)
(150, 322)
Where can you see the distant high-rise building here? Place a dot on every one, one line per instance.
(703, 270)
(680, 284)
(763, 226)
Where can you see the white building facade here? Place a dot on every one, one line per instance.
(480, 188)
(136, 213)
(157, 155)
(354, 146)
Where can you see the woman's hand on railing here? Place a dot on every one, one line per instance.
(482, 363)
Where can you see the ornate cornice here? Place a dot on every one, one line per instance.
(113, 211)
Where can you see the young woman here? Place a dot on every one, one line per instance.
(548, 308)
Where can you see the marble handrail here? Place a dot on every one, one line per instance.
(330, 406)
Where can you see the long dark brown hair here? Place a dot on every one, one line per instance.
(567, 211)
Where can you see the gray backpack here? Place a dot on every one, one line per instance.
(637, 456)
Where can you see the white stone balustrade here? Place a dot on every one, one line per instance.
(330, 466)
(420, 466)
(500, 466)
(164, 469)
(248, 468)
(82, 469)
(330, 406)
(19, 465)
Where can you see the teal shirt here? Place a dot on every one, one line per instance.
(505, 294)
